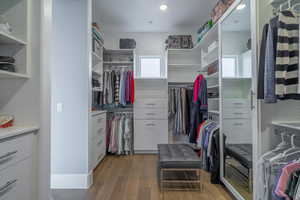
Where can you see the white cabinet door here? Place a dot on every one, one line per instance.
(151, 113)
(16, 181)
(15, 150)
(97, 141)
(150, 133)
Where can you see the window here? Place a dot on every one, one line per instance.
(150, 67)
(230, 66)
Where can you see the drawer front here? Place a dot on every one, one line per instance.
(99, 143)
(151, 94)
(236, 113)
(150, 113)
(149, 133)
(236, 103)
(151, 103)
(98, 126)
(237, 131)
(15, 150)
(15, 181)
(99, 154)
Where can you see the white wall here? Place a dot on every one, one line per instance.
(70, 86)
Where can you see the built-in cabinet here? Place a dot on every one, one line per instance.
(18, 163)
(97, 139)
(150, 115)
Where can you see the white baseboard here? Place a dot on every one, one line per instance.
(71, 181)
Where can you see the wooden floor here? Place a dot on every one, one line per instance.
(134, 178)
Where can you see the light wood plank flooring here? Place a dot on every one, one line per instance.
(134, 178)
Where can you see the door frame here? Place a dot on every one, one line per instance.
(254, 113)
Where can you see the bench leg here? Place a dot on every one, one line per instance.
(162, 184)
(250, 180)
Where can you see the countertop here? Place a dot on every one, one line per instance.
(16, 131)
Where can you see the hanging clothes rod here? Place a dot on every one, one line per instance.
(282, 5)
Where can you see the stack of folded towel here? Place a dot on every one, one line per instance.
(7, 63)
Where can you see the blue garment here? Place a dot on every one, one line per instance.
(208, 131)
(269, 89)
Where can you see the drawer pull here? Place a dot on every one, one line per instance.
(7, 186)
(238, 124)
(150, 114)
(150, 124)
(150, 104)
(238, 113)
(8, 155)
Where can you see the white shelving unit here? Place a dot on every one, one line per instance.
(15, 44)
(183, 64)
(209, 49)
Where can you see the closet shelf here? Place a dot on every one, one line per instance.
(12, 75)
(214, 99)
(96, 58)
(214, 75)
(96, 73)
(118, 63)
(183, 65)
(206, 66)
(9, 39)
(214, 111)
(97, 89)
(212, 55)
(212, 86)
(210, 37)
(290, 125)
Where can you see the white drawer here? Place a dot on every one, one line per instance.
(149, 133)
(151, 103)
(151, 93)
(15, 149)
(98, 155)
(151, 113)
(99, 143)
(236, 113)
(15, 181)
(237, 131)
(236, 103)
(99, 119)
(98, 126)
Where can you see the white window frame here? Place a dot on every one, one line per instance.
(139, 66)
(236, 57)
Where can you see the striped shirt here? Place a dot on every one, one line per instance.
(287, 56)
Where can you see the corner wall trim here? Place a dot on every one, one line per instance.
(71, 181)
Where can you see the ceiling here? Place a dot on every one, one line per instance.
(145, 15)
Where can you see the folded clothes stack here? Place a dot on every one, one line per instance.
(7, 63)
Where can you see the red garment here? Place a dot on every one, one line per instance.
(197, 86)
(132, 89)
(198, 129)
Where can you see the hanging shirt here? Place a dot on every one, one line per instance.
(284, 177)
(287, 56)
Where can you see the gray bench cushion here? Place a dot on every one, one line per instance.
(178, 156)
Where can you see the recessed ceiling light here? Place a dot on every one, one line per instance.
(163, 7)
(241, 7)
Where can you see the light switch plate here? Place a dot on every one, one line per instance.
(59, 107)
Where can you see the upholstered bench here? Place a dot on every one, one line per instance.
(178, 164)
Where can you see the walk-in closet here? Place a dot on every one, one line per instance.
(149, 100)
